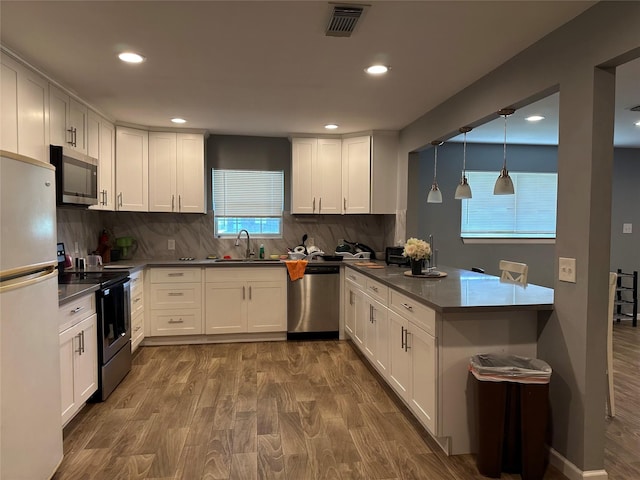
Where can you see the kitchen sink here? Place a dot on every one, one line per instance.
(246, 260)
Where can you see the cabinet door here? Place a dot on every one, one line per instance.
(86, 361)
(361, 315)
(226, 307)
(381, 353)
(106, 171)
(9, 102)
(33, 99)
(69, 344)
(132, 167)
(58, 121)
(423, 376)
(356, 174)
(78, 122)
(266, 308)
(93, 137)
(327, 176)
(162, 172)
(399, 357)
(190, 173)
(349, 309)
(303, 158)
(369, 341)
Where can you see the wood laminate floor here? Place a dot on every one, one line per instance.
(273, 410)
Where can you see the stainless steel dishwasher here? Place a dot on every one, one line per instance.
(313, 303)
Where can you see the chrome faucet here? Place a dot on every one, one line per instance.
(248, 253)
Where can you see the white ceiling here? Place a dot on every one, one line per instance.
(266, 67)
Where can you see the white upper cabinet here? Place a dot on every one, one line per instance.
(356, 174)
(132, 169)
(101, 144)
(24, 111)
(67, 121)
(176, 172)
(350, 175)
(316, 175)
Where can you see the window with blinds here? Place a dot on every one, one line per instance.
(248, 199)
(530, 213)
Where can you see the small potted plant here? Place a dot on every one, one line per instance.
(418, 251)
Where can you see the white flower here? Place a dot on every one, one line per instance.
(417, 249)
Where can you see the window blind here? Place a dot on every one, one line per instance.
(529, 213)
(248, 193)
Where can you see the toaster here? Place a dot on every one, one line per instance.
(393, 256)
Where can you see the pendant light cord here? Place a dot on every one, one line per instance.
(435, 164)
(464, 155)
(504, 165)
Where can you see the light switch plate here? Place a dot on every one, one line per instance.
(627, 228)
(567, 269)
(171, 244)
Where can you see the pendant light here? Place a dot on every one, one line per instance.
(504, 185)
(435, 195)
(463, 190)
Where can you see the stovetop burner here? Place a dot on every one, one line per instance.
(104, 279)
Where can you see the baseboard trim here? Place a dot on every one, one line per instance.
(572, 472)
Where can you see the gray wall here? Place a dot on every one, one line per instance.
(578, 59)
(442, 220)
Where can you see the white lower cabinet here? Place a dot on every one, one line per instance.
(137, 309)
(398, 336)
(78, 355)
(245, 300)
(176, 301)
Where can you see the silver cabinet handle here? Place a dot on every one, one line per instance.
(171, 320)
(137, 328)
(79, 350)
(371, 319)
(352, 277)
(243, 291)
(106, 197)
(175, 294)
(350, 297)
(75, 137)
(313, 208)
(320, 205)
(120, 199)
(175, 274)
(375, 289)
(137, 299)
(406, 341)
(408, 307)
(249, 292)
(76, 310)
(179, 203)
(173, 202)
(402, 341)
(82, 337)
(345, 204)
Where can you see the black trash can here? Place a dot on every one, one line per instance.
(512, 411)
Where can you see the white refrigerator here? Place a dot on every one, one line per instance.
(30, 418)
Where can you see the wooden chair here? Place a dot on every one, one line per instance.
(613, 277)
(514, 272)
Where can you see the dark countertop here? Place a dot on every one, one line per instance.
(69, 292)
(463, 290)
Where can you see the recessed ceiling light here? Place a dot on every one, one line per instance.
(331, 126)
(534, 118)
(377, 69)
(178, 120)
(638, 123)
(131, 57)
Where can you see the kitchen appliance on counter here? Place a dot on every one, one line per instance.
(313, 303)
(355, 247)
(393, 256)
(127, 247)
(30, 398)
(76, 177)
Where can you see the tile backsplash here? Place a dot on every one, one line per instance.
(193, 233)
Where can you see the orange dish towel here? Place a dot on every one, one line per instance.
(296, 268)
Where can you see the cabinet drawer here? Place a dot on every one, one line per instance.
(137, 303)
(137, 282)
(176, 322)
(355, 278)
(176, 275)
(137, 327)
(418, 313)
(73, 312)
(182, 295)
(378, 291)
(246, 274)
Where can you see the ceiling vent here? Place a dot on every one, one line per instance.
(343, 20)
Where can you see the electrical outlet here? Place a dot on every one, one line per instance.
(627, 228)
(171, 244)
(567, 270)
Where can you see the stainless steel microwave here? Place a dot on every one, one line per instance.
(76, 177)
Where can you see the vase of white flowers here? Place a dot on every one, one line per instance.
(418, 251)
